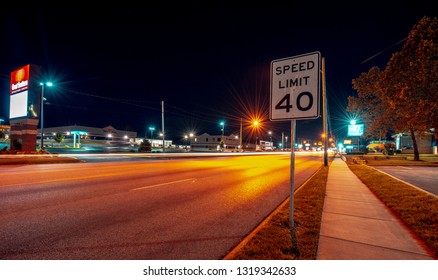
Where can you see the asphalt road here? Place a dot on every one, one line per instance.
(165, 209)
(423, 177)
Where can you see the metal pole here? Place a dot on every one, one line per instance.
(292, 186)
(282, 140)
(42, 115)
(240, 134)
(162, 123)
(324, 114)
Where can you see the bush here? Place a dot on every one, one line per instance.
(145, 147)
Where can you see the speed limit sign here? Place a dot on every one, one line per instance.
(295, 86)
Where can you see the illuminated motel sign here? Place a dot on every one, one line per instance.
(20, 79)
(24, 101)
(355, 129)
(24, 109)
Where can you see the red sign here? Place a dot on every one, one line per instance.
(20, 79)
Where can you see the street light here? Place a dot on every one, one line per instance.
(222, 123)
(49, 84)
(187, 140)
(151, 128)
(255, 124)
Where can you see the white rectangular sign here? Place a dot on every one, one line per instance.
(295, 87)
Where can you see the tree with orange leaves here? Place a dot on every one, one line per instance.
(404, 96)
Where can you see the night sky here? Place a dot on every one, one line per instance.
(114, 65)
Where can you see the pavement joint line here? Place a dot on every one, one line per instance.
(376, 246)
(354, 200)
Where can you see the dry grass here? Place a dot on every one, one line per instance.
(378, 159)
(273, 241)
(416, 208)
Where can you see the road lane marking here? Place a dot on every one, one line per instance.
(404, 167)
(65, 179)
(162, 184)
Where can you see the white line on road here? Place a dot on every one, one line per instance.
(163, 184)
(404, 167)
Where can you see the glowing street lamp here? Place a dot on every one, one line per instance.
(49, 84)
(151, 128)
(222, 123)
(255, 125)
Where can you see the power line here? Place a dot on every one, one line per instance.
(379, 53)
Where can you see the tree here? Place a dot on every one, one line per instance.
(411, 77)
(59, 137)
(371, 104)
(222, 144)
(406, 91)
(145, 147)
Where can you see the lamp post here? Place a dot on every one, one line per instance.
(187, 140)
(255, 124)
(151, 128)
(162, 136)
(49, 84)
(222, 123)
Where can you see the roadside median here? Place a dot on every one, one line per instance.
(36, 159)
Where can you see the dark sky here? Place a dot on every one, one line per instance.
(114, 64)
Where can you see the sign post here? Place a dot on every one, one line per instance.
(295, 91)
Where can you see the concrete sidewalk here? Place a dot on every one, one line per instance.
(356, 225)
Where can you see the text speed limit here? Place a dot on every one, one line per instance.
(295, 87)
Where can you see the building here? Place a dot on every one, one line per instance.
(208, 143)
(426, 144)
(76, 136)
(156, 143)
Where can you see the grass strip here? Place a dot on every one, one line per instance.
(273, 241)
(417, 209)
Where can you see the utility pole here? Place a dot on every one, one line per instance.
(42, 116)
(162, 123)
(324, 114)
(282, 140)
(240, 133)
